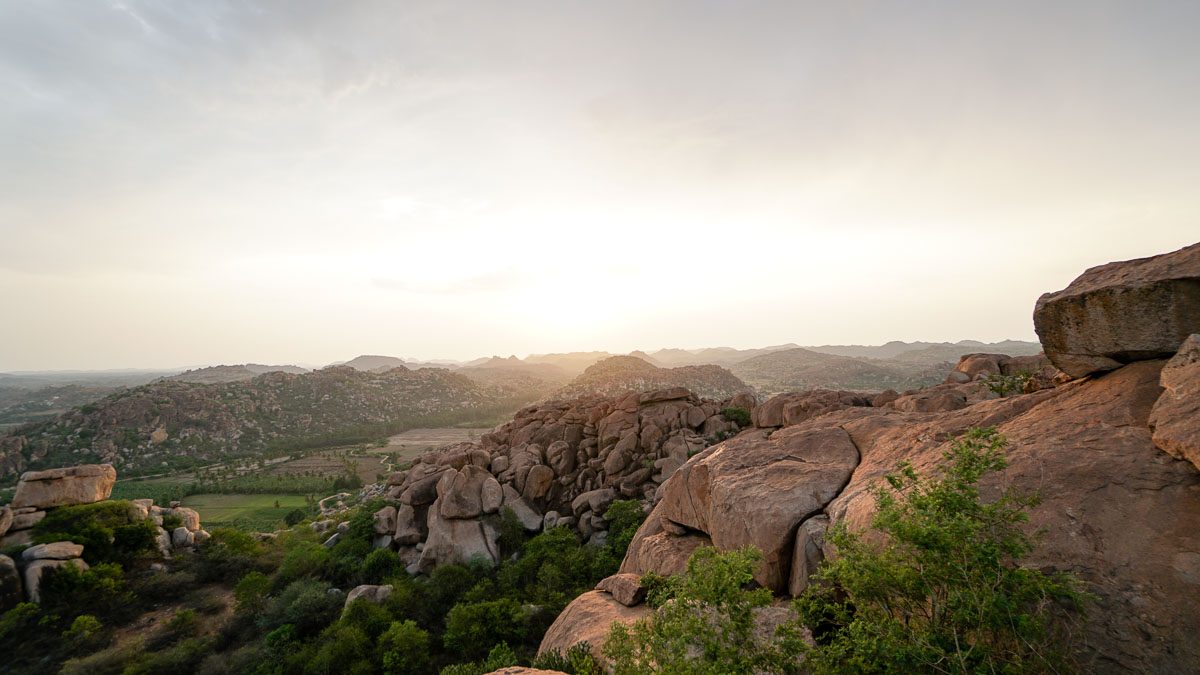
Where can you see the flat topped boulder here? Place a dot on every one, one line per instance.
(65, 486)
(59, 550)
(1122, 312)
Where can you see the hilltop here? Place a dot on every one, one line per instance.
(216, 374)
(619, 374)
(801, 369)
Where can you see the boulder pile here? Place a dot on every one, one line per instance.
(41, 491)
(1111, 444)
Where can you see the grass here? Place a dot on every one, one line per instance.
(217, 509)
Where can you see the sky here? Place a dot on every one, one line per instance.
(194, 183)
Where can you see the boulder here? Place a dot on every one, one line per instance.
(16, 538)
(142, 508)
(975, 366)
(808, 554)
(190, 518)
(538, 481)
(24, 521)
(1175, 418)
(181, 537)
(384, 520)
(460, 493)
(743, 400)
(375, 595)
(626, 589)
(6, 519)
(756, 488)
(529, 518)
(66, 486)
(408, 526)
(200, 536)
(522, 670)
(587, 619)
(491, 496)
(59, 550)
(457, 540)
(35, 570)
(10, 584)
(1122, 312)
(653, 549)
(596, 501)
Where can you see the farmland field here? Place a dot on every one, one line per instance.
(217, 509)
(412, 443)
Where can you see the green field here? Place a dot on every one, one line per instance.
(219, 509)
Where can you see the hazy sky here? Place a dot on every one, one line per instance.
(187, 183)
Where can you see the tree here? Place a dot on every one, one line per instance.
(703, 622)
(945, 593)
(405, 649)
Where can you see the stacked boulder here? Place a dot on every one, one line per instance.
(39, 492)
(557, 463)
(1119, 509)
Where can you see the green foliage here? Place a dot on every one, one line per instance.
(305, 604)
(1003, 385)
(512, 532)
(501, 656)
(170, 521)
(84, 628)
(108, 531)
(251, 591)
(577, 661)
(404, 649)
(362, 523)
(703, 623)
(471, 629)
(738, 415)
(379, 565)
(93, 590)
(294, 516)
(18, 620)
(624, 518)
(229, 554)
(946, 592)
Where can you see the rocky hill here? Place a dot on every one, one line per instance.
(217, 374)
(800, 369)
(619, 374)
(170, 423)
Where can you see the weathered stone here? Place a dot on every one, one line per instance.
(16, 538)
(460, 493)
(1122, 312)
(36, 570)
(6, 518)
(626, 589)
(384, 520)
(24, 521)
(490, 495)
(538, 481)
(191, 519)
(587, 619)
(756, 488)
(408, 526)
(655, 550)
(595, 501)
(66, 486)
(181, 537)
(10, 584)
(59, 550)
(200, 536)
(530, 520)
(376, 595)
(457, 540)
(1175, 418)
(808, 553)
(561, 457)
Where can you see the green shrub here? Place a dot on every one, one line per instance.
(111, 661)
(379, 565)
(577, 661)
(84, 628)
(472, 629)
(737, 415)
(109, 531)
(1003, 385)
(170, 521)
(404, 649)
(703, 623)
(946, 591)
(624, 518)
(305, 604)
(251, 591)
(501, 656)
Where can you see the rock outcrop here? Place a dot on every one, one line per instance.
(1122, 312)
(1102, 452)
(64, 487)
(10, 584)
(587, 619)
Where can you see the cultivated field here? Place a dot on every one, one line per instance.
(218, 509)
(330, 463)
(412, 443)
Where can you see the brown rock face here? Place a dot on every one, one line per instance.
(653, 549)
(756, 488)
(66, 486)
(1122, 312)
(1175, 418)
(626, 589)
(588, 618)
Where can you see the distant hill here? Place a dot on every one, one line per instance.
(930, 352)
(619, 374)
(573, 363)
(172, 424)
(803, 369)
(375, 363)
(216, 374)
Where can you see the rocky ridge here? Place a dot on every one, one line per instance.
(619, 374)
(1112, 452)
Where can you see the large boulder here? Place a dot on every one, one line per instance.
(375, 595)
(1116, 511)
(59, 550)
(755, 489)
(35, 570)
(460, 493)
(1175, 418)
(6, 519)
(625, 588)
(1122, 312)
(653, 549)
(587, 619)
(457, 540)
(66, 486)
(10, 584)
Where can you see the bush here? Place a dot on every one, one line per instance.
(305, 604)
(703, 623)
(1003, 385)
(577, 661)
(109, 531)
(379, 565)
(624, 518)
(945, 591)
(501, 656)
(472, 629)
(404, 649)
(737, 415)
(251, 591)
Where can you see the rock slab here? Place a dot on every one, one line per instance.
(65, 487)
